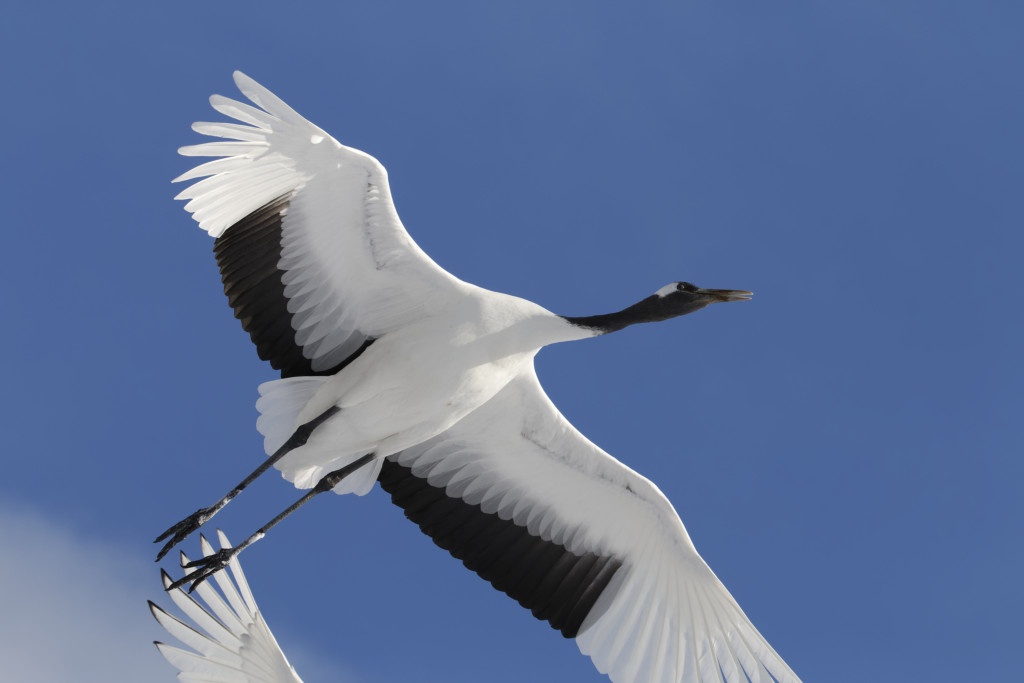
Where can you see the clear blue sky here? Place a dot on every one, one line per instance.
(845, 450)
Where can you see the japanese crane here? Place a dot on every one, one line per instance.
(393, 370)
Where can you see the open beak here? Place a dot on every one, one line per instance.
(718, 295)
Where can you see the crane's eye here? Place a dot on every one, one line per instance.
(685, 287)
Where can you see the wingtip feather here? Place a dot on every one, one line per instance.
(226, 637)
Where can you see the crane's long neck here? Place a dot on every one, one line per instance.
(641, 312)
(671, 301)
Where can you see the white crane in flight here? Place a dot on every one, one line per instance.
(393, 370)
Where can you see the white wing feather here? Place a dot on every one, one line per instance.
(229, 640)
(665, 617)
(349, 267)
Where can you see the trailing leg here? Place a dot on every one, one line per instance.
(211, 564)
(180, 531)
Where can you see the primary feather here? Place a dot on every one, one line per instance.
(228, 641)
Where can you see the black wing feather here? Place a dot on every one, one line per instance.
(248, 254)
(556, 584)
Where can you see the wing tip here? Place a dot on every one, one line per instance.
(259, 94)
(240, 78)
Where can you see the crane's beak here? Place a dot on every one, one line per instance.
(719, 295)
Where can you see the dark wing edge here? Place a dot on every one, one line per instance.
(248, 254)
(581, 540)
(555, 584)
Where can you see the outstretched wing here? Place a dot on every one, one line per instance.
(581, 540)
(228, 638)
(314, 259)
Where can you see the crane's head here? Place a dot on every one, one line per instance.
(680, 298)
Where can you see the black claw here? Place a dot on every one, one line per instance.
(182, 530)
(204, 568)
(196, 578)
(219, 557)
(177, 584)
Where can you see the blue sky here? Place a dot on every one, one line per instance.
(845, 449)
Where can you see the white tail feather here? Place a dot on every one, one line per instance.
(279, 406)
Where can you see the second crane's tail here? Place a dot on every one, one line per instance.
(279, 406)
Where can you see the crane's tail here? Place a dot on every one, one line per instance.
(279, 406)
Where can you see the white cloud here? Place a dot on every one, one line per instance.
(73, 609)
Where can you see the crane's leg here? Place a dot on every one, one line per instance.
(180, 531)
(211, 564)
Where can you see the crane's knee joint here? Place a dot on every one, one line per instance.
(332, 479)
(304, 431)
(328, 482)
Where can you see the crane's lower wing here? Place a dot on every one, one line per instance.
(228, 640)
(527, 502)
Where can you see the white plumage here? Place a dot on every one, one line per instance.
(435, 377)
(228, 640)
(542, 474)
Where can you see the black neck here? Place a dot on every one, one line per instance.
(641, 312)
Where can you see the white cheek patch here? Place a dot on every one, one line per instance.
(667, 289)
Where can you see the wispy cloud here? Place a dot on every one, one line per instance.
(74, 609)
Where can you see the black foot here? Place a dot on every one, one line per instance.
(205, 568)
(183, 529)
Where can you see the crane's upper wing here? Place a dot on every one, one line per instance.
(234, 643)
(581, 540)
(314, 259)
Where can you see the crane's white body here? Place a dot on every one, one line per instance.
(447, 389)
(407, 387)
